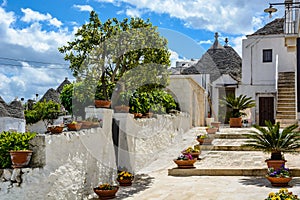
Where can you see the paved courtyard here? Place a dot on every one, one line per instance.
(154, 182)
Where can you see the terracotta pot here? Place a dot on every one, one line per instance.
(106, 194)
(276, 164)
(102, 103)
(193, 154)
(185, 164)
(235, 122)
(216, 124)
(55, 129)
(205, 141)
(211, 130)
(74, 127)
(148, 115)
(20, 158)
(125, 182)
(86, 124)
(279, 181)
(122, 109)
(137, 115)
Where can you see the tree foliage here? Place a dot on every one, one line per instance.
(102, 53)
(46, 111)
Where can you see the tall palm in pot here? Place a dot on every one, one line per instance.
(238, 104)
(274, 140)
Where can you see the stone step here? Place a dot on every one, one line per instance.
(288, 101)
(287, 117)
(233, 163)
(280, 113)
(286, 107)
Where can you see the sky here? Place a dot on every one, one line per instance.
(31, 31)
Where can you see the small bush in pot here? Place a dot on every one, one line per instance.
(11, 141)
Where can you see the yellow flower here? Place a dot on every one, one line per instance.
(276, 198)
(121, 178)
(271, 194)
(283, 190)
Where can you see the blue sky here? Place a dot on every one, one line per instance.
(32, 30)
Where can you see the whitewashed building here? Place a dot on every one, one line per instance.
(271, 67)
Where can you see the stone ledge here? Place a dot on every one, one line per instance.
(224, 172)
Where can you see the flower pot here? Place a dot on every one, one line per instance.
(55, 129)
(216, 124)
(185, 164)
(74, 127)
(125, 182)
(279, 181)
(102, 103)
(137, 115)
(148, 115)
(106, 194)
(86, 124)
(205, 141)
(20, 158)
(275, 164)
(122, 109)
(235, 122)
(211, 130)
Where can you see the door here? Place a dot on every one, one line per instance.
(266, 110)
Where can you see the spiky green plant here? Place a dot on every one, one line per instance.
(274, 140)
(237, 104)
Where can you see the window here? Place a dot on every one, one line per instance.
(267, 55)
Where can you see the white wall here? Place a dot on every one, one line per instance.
(10, 123)
(254, 71)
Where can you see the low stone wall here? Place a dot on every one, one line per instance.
(69, 165)
(141, 140)
(72, 164)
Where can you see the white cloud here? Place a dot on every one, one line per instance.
(234, 17)
(34, 16)
(133, 12)
(35, 44)
(206, 42)
(84, 7)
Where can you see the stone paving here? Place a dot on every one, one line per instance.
(158, 185)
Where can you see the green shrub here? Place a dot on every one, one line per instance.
(13, 141)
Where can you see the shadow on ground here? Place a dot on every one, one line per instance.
(141, 183)
(263, 182)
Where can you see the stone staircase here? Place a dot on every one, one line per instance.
(226, 157)
(286, 99)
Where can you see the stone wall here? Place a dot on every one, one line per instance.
(141, 140)
(11, 123)
(69, 165)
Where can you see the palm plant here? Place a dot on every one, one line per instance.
(237, 104)
(272, 139)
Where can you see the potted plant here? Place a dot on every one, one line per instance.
(194, 151)
(14, 148)
(238, 104)
(106, 191)
(280, 177)
(211, 130)
(275, 141)
(74, 126)
(125, 178)
(123, 102)
(216, 124)
(204, 139)
(56, 129)
(282, 194)
(103, 93)
(185, 161)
